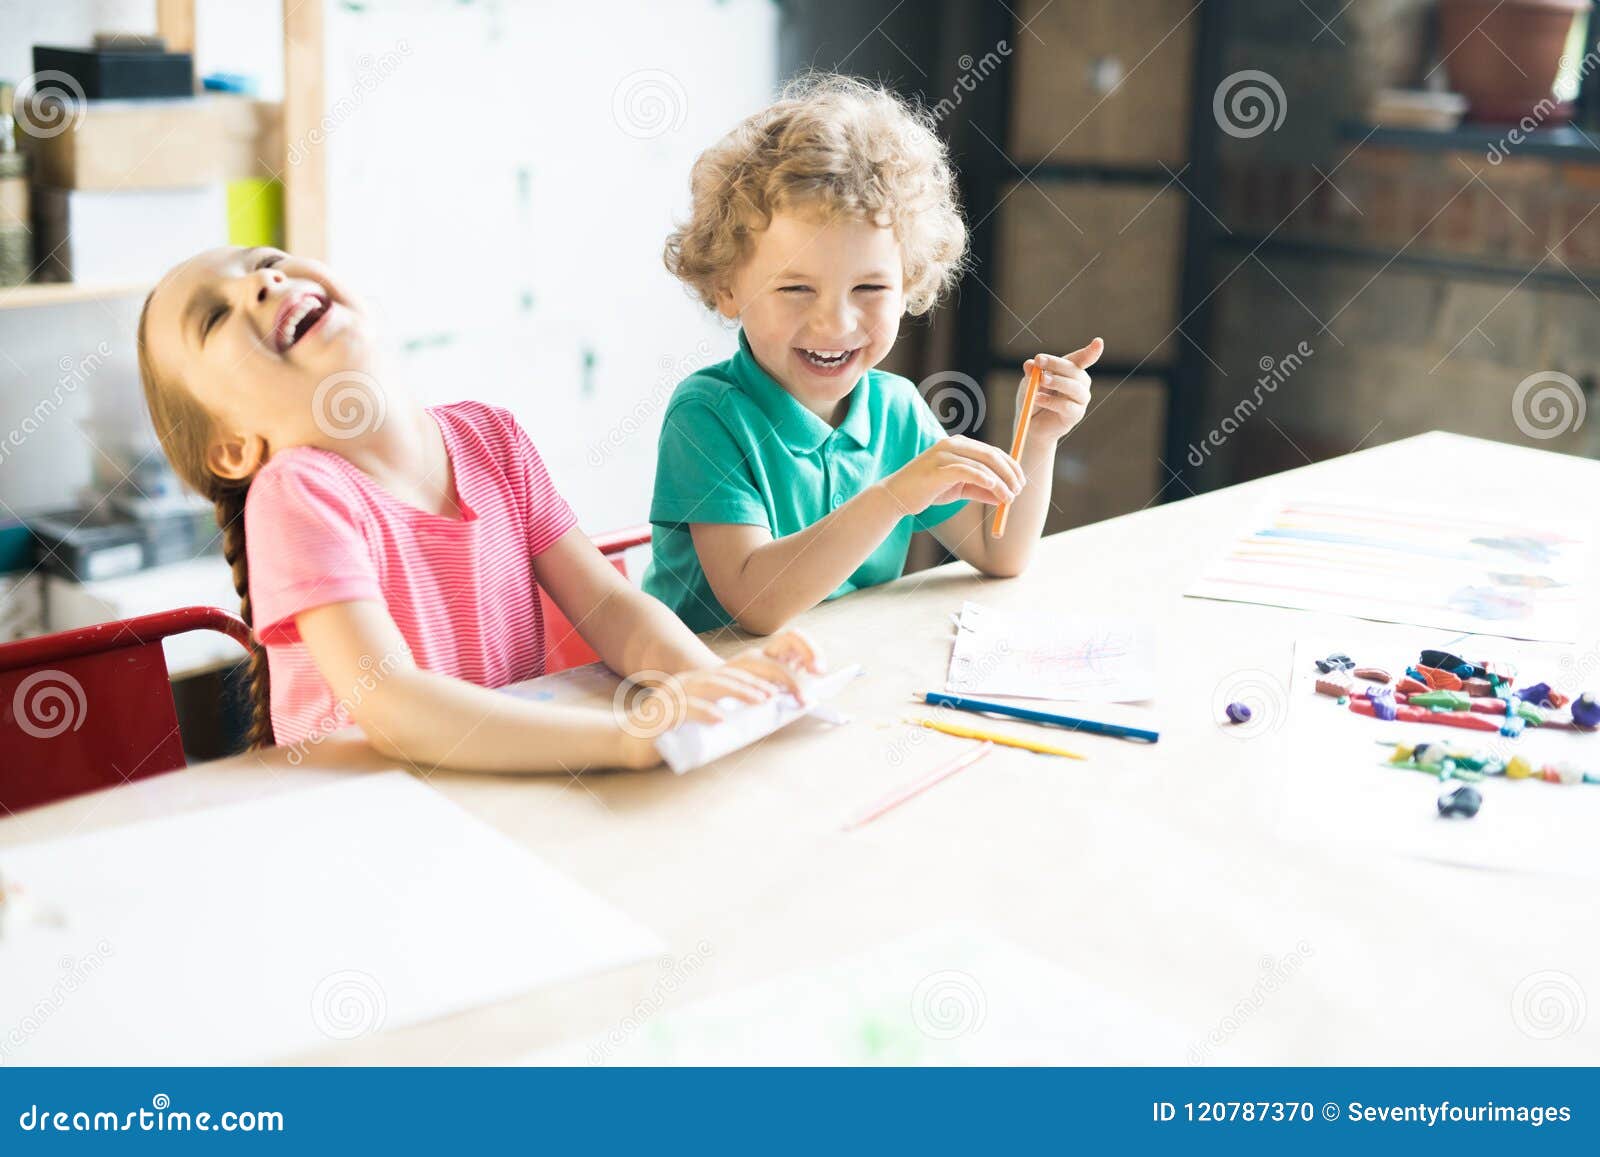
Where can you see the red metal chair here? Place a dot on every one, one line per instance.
(91, 708)
(564, 647)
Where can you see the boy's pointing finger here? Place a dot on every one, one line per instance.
(1088, 355)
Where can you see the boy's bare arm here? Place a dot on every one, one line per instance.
(764, 582)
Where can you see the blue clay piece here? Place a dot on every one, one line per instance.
(1238, 713)
(1585, 711)
(1460, 799)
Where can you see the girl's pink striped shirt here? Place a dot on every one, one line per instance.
(318, 530)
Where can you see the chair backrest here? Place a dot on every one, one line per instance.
(564, 647)
(92, 707)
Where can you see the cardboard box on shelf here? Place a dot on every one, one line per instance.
(13, 191)
(160, 144)
(92, 235)
(1110, 463)
(1104, 82)
(16, 245)
(143, 144)
(135, 144)
(1081, 259)
(252, 136)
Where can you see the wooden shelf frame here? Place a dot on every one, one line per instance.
(305, 183)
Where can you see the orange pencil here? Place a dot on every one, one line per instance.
(1024, 415)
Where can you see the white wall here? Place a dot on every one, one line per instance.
(493, 160)
(495, 195)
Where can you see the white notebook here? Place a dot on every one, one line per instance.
(271, 928)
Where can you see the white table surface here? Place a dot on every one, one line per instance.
(1167, 874)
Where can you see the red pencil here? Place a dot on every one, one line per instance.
(1466, 720)
(895, 798)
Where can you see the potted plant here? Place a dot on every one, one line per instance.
(1502, 55)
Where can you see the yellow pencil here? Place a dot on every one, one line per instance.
(994, 737)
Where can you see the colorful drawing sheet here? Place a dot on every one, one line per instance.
(949, 995)
(1334, 782)
(1445, 566)
(1061, 657)
(279, 926)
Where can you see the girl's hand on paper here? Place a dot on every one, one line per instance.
(776, 665)
(1063, 391)
(751, 676)
(795, 649)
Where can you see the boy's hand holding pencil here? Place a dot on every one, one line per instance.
(957, 468)
(1053, 397)
(1063, 393)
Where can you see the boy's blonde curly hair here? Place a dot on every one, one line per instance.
(836, 146)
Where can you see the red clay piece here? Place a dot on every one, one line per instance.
(1440, 680)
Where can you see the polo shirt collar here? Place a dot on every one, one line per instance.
(798, 427)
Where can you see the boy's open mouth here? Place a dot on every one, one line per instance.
(826, 361)
(297, 318)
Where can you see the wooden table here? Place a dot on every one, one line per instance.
(1164, 873)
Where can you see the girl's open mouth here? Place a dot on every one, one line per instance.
(826, 362)
(298, 317)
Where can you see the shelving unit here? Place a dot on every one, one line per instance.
(304, 183)
(1181, 371)
(42, 293)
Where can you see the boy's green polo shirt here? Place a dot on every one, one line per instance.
(736, 447)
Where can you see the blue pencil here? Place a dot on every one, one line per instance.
(985, 707)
